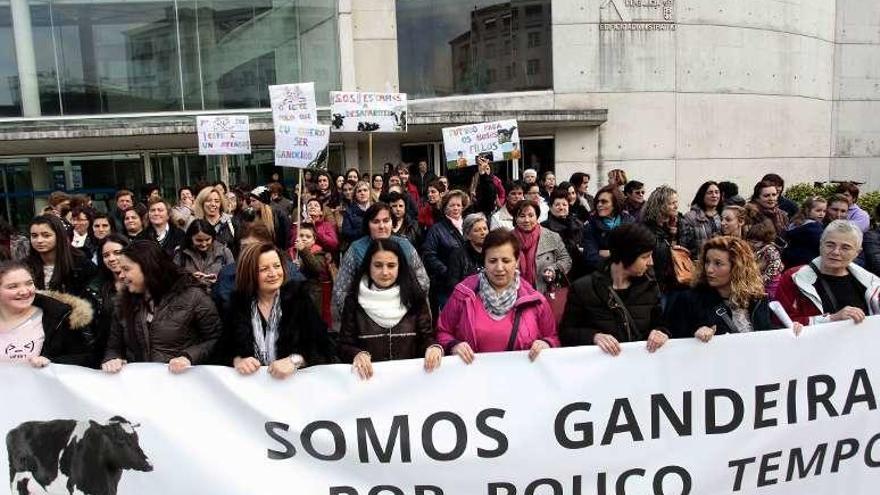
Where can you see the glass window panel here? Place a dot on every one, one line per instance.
(10, 99)
(442, 52)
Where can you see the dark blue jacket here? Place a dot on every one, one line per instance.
(596, 239)
(803, 244)
(442, 240)
(352, 223)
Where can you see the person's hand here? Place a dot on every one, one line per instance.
(246, 366)
(113, 366)
(363, 365)
(39, 361)
(282, 368)
(179, 365)
(797, 328)
(433, 358)
(604, 253)
(299, 244)
(705, 334)
(656, 339)
(607, 343)
(849, 313)
(464, 351)
(537, 346)
(483, 165)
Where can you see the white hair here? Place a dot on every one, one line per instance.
(844, 227)
(530, 171)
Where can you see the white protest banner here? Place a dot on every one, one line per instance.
(224, 134)
(293, 103)
(462, 144)
(368, 112)
(764, 413)
(301, 145)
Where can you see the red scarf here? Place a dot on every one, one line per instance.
(528, 245)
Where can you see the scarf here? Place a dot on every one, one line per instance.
(497, 304)
(457, 223)
(528, 243)
(776, 215)
(79, 241)
(264, 341)
(611, 223)
(383, 306)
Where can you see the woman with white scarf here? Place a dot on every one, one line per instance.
(274, 322)
(386, 316)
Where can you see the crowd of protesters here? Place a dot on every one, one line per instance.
(361, 269)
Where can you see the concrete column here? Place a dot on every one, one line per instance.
(374, 34)
(347, 72)
(41, 180)
(25, 58)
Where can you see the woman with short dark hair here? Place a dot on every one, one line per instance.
(162, 314)
(607, 215)
(569, 227)
(618, 302)
(386, 317)
(161, 229)
(274, 322)
(134, 223)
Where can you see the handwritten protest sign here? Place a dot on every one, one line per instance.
(224, 134)
(301, 145)
(293, 103)
(462, 144)
(368, 112)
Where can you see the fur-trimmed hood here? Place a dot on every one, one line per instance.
(79, 311)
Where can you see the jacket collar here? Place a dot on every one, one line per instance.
(805, 278)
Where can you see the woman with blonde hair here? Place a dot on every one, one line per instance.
(727, 294)
(660, 214)
(734, 221)
(617, 177)
(209, 206)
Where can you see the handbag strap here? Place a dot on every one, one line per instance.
(721, 312)
(630, 321)
(517, 315)
(827, 288)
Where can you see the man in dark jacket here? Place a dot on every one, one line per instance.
(618, 302)
(422, 178)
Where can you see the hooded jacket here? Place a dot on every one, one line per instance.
(66, 321)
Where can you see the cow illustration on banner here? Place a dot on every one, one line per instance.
(368, 112)
(75, 457)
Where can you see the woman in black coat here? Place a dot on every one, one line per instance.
(442, 240)
(727, 297)
(386, 316)
(274, 322)
(618, 302)
(569, 228)
(468, 260)
(55, 264)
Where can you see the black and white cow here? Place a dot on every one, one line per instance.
(72, 457)
(338, 121)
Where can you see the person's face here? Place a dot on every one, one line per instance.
(527, 220)
(110, 252)
(584, 186)
(533, 193)
(637, 195)
(131, 275)
(560, 207)
(672, 205)
(212, 204)
(339, 182)
(202, 241)
(404, 175)
(132, 222)
(530, 178)
(712, 197)
(398, 209)
(423, 167)
(433, 195)
(394, 181)
(255, 203)
(158, 214)
(454, 207)
(352, 176)
(718, 267)
(153, 194)
(81, 224)
(222, 189)
(604, 205)
(306, 237)
(231, 201)
(101, 228)
(571, 195)
(514, 196)
(838, 250)
(383, 269)
(378, 182)
(768, 197)
(270, 272)
(315, 210)
(731, 224)
(186, 197)
(445, 182)
(641, 265)
(550, 181)
(500, 265)
(43, 239)
(124, 202)
(347, 191)
(478, 233)
(817, 212)
(380, 225)
(837, 210)
(848, 196)
(323, 183)
(17, 290)
(362, 195)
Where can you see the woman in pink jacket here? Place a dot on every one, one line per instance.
(496, 310)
